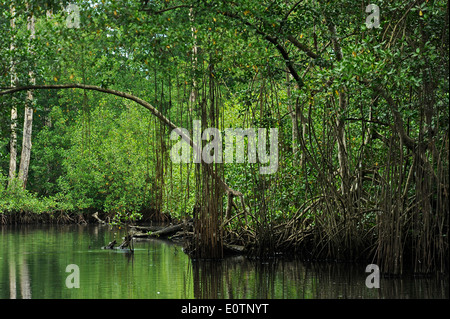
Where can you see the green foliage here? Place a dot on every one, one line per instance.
(15, 199)
(308, 66)
(106, 170)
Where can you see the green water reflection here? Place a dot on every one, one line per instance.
(33, 261)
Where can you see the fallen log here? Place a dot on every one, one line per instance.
(164, 232)
(181, 235)
(146, 228)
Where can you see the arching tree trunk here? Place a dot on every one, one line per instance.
(13, 136)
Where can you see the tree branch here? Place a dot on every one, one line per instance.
(267, 37)
(274, 41)
(302, 47)
(290, 11)
(398, 121)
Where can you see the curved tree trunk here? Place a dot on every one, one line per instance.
(28, 117)
(13, 137)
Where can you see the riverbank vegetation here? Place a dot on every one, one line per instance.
(361, 112)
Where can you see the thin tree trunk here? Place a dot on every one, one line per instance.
(47, 118)
(342, 145)
(194, 93)
(28, 118)
(293, 114)
(13, 138)
(340, 124)
(26, 142)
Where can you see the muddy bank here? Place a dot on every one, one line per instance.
(90, 217)
(26, 218)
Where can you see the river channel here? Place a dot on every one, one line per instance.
(66, 262)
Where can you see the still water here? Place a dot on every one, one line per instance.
(33, 262)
